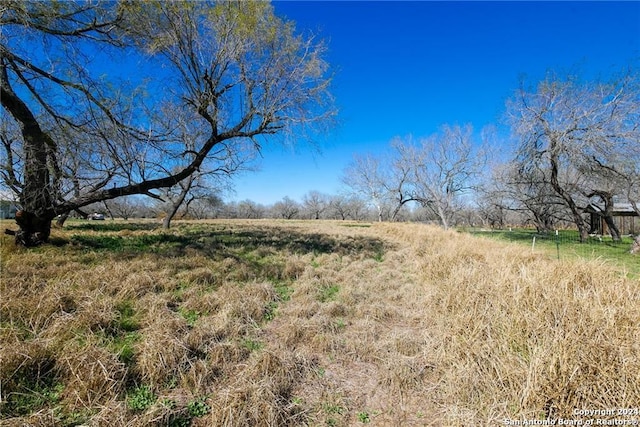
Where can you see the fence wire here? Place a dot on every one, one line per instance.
(566, 243)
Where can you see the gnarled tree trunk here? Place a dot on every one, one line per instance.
(175, 204)
(576, 212)
(635, 247)
(35, 218)
(607, 213)
(34, 230)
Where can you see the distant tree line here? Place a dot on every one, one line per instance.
(313, 206)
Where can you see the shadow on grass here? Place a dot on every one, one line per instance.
(218, 242)
(111, 226)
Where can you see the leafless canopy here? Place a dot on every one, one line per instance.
(583, 138)
(435, 172)
(98, 94)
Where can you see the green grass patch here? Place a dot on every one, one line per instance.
(333, 408)
(123, 332)
(191, 316)
(73, 418)
(18, 328)
(31, 398)
(364, 417)
(109, 226)
(140, 398)
(127, 319)
(328, 292)
(30, 388)
(124, 346)
(283, 289)
(195, 409)
(340, 324)
(258, 246)
(270, 311)
(252, 345)
(198, 408)
(152, 243)
(566, 245)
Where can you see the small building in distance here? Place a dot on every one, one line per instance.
(8, 209)
(624, 216)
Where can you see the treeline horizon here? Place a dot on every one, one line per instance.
(313, 205)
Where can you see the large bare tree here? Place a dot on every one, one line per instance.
(315, 204)
(582, 135)
(382, 180)
(435, 172)
(365, 175)
(96, 90)
(523, 190)
(442, 168)
(287, 208)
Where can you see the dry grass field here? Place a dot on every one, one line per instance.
(266, 323)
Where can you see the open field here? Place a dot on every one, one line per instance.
(270, 323)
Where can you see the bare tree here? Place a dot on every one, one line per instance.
(526, 191)
(382, 180)
(573, 131)
(315, 204)
(435, 172)
(613, 175)
(286, 208)
(207, 204)
(213, 175)
(399, 185)
(365, 176)
(233, 68)
(346, 206)
(175, 197)
(340, 207)
(250, 209)
(442, 168)
(124, 207)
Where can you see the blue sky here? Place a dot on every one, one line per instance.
(408, 67)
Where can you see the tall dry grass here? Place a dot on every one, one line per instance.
(308, 323)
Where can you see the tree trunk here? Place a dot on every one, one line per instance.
(607, 214)
(635, 247)
(34, 230)
(613, 228)
(443, 216)
(61, 220)
(36, 200)
(396, 211)
(106, 206)
(171, 212)
(544, 224)
(582, 225)
(173, 209)
(166, 221)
